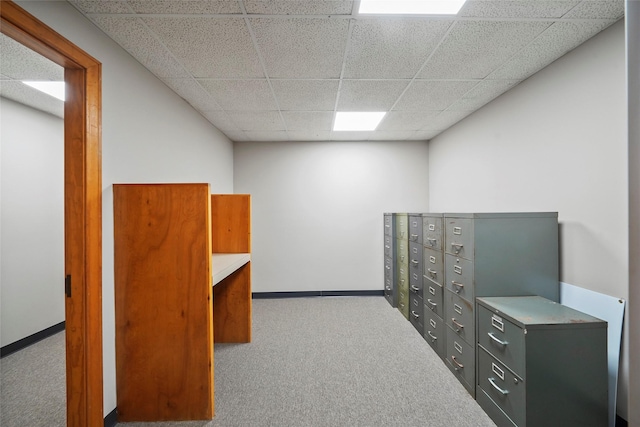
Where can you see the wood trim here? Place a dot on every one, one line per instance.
(83, 209)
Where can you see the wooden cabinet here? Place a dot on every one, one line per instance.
(165, 306)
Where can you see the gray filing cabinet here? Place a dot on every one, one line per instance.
(541, 363)
(402, 262)
(432, 281)
(390, 293)
(416, 303)
(492, 254)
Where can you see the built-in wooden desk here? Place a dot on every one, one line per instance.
(182, 282)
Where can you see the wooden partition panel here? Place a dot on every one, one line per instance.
(231, 223)
(163, 298)
(232, 307)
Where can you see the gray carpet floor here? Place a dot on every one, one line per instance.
(325, 361)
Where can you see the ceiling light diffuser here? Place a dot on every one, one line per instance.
(55, 89)
(410, 7)
(355, 120)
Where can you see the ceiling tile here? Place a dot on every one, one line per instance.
(209, 47)
(306, 95)
(23, 94)
(241, 94)
(445, 120)
(474, 49)
(484, 92)
(299, 7)
(236, 135)
(613, 9)
(424, 135)
(350, 136)
(557, 40)
(390, 135)
(185, 6)
(308, 120)
(309, 135)
(406, 120)
(257, 120)
(267, 135)
(21, 63)
(192, 92)
(392, 48)
(132, 35)
(433, 94)
(101, 6)
(370, 95)
(221, 120)
(300, 47)
(522, 9)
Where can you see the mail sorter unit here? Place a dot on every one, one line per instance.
(396, 261)
(492, 254)
(541, 363)
(432, 281)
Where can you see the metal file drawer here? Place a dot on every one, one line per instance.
(402, 226)
(460, 357)
(415, 258)
(402, 253)
(458, 274)
(434, 332)
(415, 228)
(433, 265)
(403, 302)
(416, 309)
(458, 315)
(432, 294)
(432, 236)
(505, 389)
(388, 267)
(458, 236)
(415, 283)
(388, 225)
(502, 339)
(388, 246)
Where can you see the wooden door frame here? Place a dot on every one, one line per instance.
(83, 209)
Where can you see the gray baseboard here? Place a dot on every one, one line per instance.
(303, 294)
(111, 419)
(31, 339)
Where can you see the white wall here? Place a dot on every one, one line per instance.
(317, 209)
(149, 134)
(557, 142)
(32, 221)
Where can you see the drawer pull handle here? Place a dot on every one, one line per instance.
(414, 262)
(493, 383)
(496, 339)
(458, 286)
(432, 304)
(401, 305)
(402, 281)
(457, 324)
(414, 314)
(413, 236)
(388, 267)
(415, 288)
(432, 273)
(433, 337)
(388, 288)
(432, 241)
(458, 364)
(387, 247)
(457, 247)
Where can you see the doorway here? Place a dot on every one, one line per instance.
(82, 212)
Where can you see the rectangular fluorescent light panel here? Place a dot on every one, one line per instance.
(55, 89)
(411, 7)
(352, 120)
